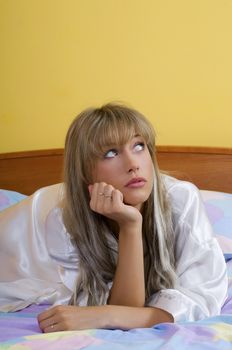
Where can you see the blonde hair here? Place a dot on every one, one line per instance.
(86, 140)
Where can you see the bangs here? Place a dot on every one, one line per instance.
(110, 131)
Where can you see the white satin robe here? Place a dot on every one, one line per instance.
(39, 263)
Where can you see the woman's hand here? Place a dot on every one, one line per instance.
(108, 201)
(68, 318)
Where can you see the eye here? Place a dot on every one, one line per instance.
(139, 146)
(111, 153)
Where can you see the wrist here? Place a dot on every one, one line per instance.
(131, 228)
(113, 317)
(108, 319)
(123, 317)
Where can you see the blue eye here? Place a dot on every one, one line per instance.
(139, 146)
(111, 153)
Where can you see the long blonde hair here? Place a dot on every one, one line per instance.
(86, 139)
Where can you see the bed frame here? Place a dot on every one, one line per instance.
(208, 168)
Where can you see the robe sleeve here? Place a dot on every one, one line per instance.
(28, 272)
(202, 279)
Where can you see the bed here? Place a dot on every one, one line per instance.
(210, 169)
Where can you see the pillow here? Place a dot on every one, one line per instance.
(8, 198)
(219, 209)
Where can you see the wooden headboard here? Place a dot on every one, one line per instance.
(208, 168)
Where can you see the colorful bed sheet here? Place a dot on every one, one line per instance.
(19, 330)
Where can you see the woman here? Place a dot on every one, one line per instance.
(143, 244)
(124, 245)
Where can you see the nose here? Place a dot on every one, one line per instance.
(133, 169)
(131, 162)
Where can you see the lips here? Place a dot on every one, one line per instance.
(136, 182)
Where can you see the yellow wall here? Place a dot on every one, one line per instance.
(170, 59)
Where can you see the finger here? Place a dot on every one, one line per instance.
(97, 197)
(90, 188)
(49, 329)
(49, 324)
(107, 203)
(52, 328)
(103, 196)
(46, 314)
(117, 197)
(108, 191)
(94, 195)
(101, 190)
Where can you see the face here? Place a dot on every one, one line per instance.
(129, 169)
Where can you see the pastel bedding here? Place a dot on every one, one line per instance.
(19, 330)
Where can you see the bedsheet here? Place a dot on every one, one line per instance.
(19, 330)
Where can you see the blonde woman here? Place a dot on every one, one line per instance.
(143, 244)
(121, 245)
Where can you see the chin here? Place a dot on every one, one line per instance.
(136, 202)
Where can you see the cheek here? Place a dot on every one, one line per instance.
(148, 164)
(150, 173)
(102, 173)
(151, 169)
(95, 173)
